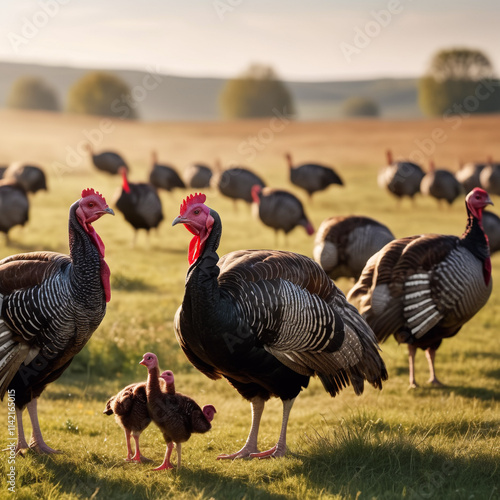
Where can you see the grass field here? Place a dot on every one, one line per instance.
(440, 443)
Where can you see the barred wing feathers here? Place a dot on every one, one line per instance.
(24, 328)
(300, 317)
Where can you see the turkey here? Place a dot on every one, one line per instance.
(468, 175)
(267, 321)
(440, 184)
(14, 207)
(312, 177)
(490, 178)
(30, 177)
(107, 161)
(176, 415)
(422, 289)
(344, 244)
(139, 203)
(237, 183)
(50, 305)
(280, 210)
(491, 225)
(197, 175)
(164, 176)
(401, 178)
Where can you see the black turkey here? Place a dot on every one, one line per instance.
(267, 321)
(490, 178)
(424, 288)
(164, 176)
(30, 177)
(107, 161)
(50, 305)
(401, 178)
(236, 183)
(441, 184)
(280, 210)
(14, 206)
(139, 203)
(491, 225)
(344, 244)
(468, 175)
(312, 177)
(197, 175)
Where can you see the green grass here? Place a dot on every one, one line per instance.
(440, 443)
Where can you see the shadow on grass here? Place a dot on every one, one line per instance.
(349, 460)
(71, 479)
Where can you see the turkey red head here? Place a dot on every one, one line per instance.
(123, 172)
(209, 411)
(476, 200)
(92, 206)
(149, 360)
(195, 216)
(256, 192)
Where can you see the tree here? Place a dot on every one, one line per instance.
(31, 92)
(256, 93)
(359, 106)
(457, 81)
(104, 94)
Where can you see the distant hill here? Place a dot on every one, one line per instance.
(183, 98)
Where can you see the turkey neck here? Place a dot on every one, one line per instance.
(86, 262)
(201, 282)
(153, 386)
(474, 238)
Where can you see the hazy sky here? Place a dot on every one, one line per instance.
(303, 40)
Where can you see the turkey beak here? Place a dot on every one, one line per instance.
(488, 201)
(109, 211)
(179, 220)
(142, 362)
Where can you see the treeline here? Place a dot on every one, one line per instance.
(457, 81)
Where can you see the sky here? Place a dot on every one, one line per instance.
(307, 40)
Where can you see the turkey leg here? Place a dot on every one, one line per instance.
(279, 449)
(251, 444)
(430, 354)
(412, 350)
(36, 442)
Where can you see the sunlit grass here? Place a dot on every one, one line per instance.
(426, 443)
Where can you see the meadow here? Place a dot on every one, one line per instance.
(429, 442)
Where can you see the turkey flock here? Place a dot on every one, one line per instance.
(266, 321)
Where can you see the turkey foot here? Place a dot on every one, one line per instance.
(274, 452)
(245, 452)
(42, 448)
(434, 381)
(164, 466)
(139, 459)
